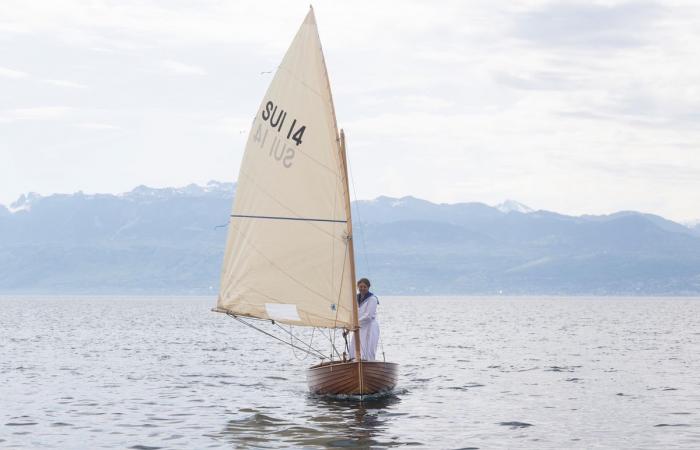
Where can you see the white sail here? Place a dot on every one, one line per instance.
(287, 255)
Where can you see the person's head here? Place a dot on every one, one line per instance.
(363, 286)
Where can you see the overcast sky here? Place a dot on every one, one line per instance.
(576, 107)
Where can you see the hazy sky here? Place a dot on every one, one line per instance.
(576, 107)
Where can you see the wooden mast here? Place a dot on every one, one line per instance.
(343, 158)
(355, 312)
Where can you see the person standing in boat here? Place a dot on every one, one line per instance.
(369, 325)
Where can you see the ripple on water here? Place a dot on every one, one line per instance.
(672, 425)
(562, 368)
(188, 369)
(515, 425)
(464, 387)
(254, 421)
(174, 437)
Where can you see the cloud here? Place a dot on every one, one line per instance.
(546, 80)
(65, 83)
(231, 126)
(476, 100)
(10, 73)
(123, 25)
(181, 68)
(96, 126)
(39, 113)
(665, 172)
(586, 24)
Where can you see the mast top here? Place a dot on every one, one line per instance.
(310, 17)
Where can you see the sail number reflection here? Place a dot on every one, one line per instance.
(281, 149)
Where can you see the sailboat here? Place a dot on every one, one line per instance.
(289, 256)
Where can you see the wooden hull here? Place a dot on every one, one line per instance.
(338, 378)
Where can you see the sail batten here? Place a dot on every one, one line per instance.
(306, 219)
(287, 256)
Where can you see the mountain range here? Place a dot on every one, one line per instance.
(171, 240)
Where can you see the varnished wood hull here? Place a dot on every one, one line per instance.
(342, 378)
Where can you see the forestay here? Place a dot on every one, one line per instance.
(287, 256)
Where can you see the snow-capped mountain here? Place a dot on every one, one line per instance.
(212, 188)
(24, 202)
(171, 240)
(513, 206)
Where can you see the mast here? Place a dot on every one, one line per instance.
(344, 162)
(351, 247)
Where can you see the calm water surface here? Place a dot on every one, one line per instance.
(138, 372)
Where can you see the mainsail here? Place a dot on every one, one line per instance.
(288, 253)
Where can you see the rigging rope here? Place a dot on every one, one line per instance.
(321, 357)
(332, 341)
(291, 340)
(359, 222)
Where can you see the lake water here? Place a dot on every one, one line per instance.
(476, 372)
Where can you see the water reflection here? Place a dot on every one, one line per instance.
(323, 422)
(357, 423)
(627, 379)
